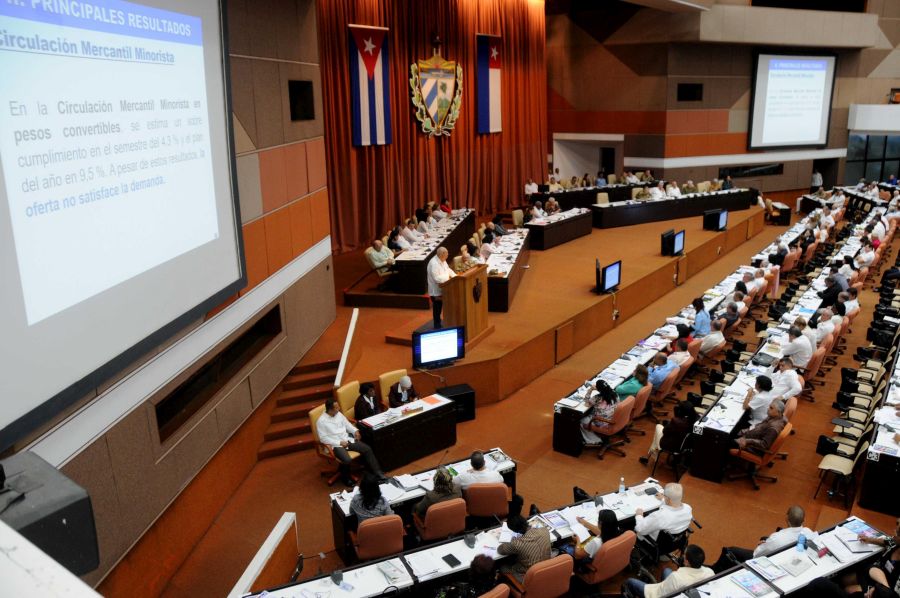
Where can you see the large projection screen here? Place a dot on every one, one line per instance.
(119, 221)
(791, 104)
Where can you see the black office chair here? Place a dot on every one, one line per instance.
(676, 458)
(647, 552)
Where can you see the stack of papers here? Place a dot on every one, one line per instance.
(390, 492)
(423, 564)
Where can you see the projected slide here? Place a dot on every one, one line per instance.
(792, 100)
(118, 217)
(92, 156)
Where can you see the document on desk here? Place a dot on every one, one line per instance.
(391, 492)
(424, 565)
(426, 480)
(409, 482)
(836, 548)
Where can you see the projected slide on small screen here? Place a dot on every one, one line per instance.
(439, 346)
(91, 168)
(792, 100)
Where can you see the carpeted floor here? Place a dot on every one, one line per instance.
(731, 513)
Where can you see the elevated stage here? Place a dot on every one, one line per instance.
(555, 312)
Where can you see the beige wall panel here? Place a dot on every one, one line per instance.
(238, 36)
(143, 486)
(249, 192)
(306, 32)
(268, 95)
(233, 410)
(299, 130)
(260, 26)
(242, 103)
(738, 121)
(270, 371)
(284, 25)
(92, 470)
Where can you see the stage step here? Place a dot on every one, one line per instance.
(305, 388)
(316, 367)
(286, 446)
(285, 429)
(315, 395)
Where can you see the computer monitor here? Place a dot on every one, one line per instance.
(723, 220)
(711, 219)
(612, 276)
(543, 188)
(665, 242)
(678, 243)
(437, 348)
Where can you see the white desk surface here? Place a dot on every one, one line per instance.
(494, 459)
(422, 249)
(727, 586)
(558, 217)
(412, 409)
(363, 582)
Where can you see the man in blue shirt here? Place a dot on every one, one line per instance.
(701, 320)
(601, 179)
(662, 367)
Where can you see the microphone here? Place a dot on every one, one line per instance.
(441, 460)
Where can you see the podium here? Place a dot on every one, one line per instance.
(466, 303)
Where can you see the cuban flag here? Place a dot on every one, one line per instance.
(489, 84)
(370, 96)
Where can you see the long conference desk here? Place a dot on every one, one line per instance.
(506, 266)
(411, 266)
(713, 433)
(641, 211)
(403, 494)
(585, 197)
(421, 571)
(559, 228)
(401, 435)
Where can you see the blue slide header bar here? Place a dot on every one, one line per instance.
(798, 65)
(109, 16)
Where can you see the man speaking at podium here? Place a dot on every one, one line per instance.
(439, 272)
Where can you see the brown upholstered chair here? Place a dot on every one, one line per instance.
(378, 537)
(324, 452)
(617, 436)
(442, 520)
(499, 591)
(487, 500)
(547, 579)
(640, 407)
(610, 560)
(756, 462)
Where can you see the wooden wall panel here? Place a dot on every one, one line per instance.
(564, 337)
(704, 255)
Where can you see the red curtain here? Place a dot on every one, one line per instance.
(374, 188)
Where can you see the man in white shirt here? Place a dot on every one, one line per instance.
(797, 348)
(825, 325)
(410, 233)
(554, 185)
(658, 192)
(865, 257)
(853, 302)
(439, 272)
(490, 244)
(838, 199)
(530, 187)
(673, 516)
(786, 380)
(688, 574)
(816, 181)
(381, 258)
(631, 179)
(872, 191)
(879, 230)
(336, 432)
(672, 190)
(777, 541)
(478, 474)
(682, 354)
(758, 399)
(538, 210)
(806, 330)
(713, 339)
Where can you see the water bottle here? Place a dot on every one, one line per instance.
(801, 543)
(621, 485)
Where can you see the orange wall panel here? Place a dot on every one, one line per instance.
(301, 226)
(272, 179)
(315, 163)
(278, 239)
(255, 253)
(295, 171)
(319, 215)
(705, 144)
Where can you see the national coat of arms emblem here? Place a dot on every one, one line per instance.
(436, 87)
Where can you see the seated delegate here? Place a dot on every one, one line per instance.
(758, 398)
(369, 502)
(634, 384)
(760, 437)
(583, 550)
(367, 404)
(478, 474)
(402, 392)
(530, 546)
(670, 435)
(692, 572)
(661, 368)
(443, 490)
(781, 538)
(673, 516)
(600, 419)
(336, 432)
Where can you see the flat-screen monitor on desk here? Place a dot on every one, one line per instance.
(437, 348)
(543, 188)
(665, 242)
(678, 243)
(715, 220)
(610, 277)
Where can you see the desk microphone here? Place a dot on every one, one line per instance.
(441, 461)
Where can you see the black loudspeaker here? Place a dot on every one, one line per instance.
(53, 512)
(464, 397)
